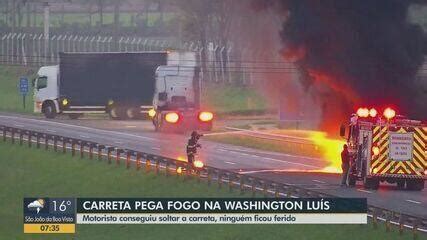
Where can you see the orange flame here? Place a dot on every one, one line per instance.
(331, 150)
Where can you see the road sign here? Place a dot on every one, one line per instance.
(23, 86)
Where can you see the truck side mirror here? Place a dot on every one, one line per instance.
(342, 130)
(163, 96)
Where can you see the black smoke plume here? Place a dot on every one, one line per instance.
(366, 51)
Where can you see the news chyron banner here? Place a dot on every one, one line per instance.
(62, 214)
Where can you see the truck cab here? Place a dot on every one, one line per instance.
(46, 91)
(176, 99)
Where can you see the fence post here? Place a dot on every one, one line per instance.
(253, 187)
(118, 151)
(82, 148)
(30, 141)
(99, 149)
(73, 147)
(138, 161)
(415, 229)
(21, 136)
(4, 134)
(37, 140)
(230, 182)
(167, 168)
(387, 221)
(12, 133)
(64, 145)
(401, 223)
(265, 188)
(55, 143)
(157, 166)
(109, 154)
(90, 150)
(147, 165)
(46, 141)
(375, 218)
(128, 154)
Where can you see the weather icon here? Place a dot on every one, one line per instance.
(36, 205)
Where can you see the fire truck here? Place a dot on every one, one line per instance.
(389, 148)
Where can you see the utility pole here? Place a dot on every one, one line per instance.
(46, 29)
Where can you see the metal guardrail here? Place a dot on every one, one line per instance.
(168, 166)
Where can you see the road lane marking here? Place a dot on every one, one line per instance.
(130, 126)
(232, 163)
(318, 181)
(83, 136)
(118, 142)
(18, 125)
(412, 201)
(81, 127)
(155, 148)
(50, 130)
(363, 190)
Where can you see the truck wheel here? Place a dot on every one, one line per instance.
(351, 180)
(117, 113)
(371, 183)
(75, 116)
(132, 113)
(400, 184)
(415, 184)
(49, 110)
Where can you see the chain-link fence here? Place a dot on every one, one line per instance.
(221, 64)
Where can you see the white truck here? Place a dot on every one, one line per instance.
(176, 102)
(126, 85)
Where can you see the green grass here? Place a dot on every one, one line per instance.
(10, 98)
(30, 172)
(233, 99)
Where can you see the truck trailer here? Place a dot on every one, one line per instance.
(121, 84)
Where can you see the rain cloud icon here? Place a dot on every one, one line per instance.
(37, 204)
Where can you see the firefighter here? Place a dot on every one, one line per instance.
(192, 146)
(345, 164)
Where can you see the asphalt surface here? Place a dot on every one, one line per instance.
(284, 168)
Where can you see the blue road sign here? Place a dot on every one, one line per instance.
(23, 86)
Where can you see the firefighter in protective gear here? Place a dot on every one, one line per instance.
(345, 164)
(192, 146)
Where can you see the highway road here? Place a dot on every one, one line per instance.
(139, 135)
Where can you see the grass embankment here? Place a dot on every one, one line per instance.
(30, 172)
(227, 99)
(10, 98)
